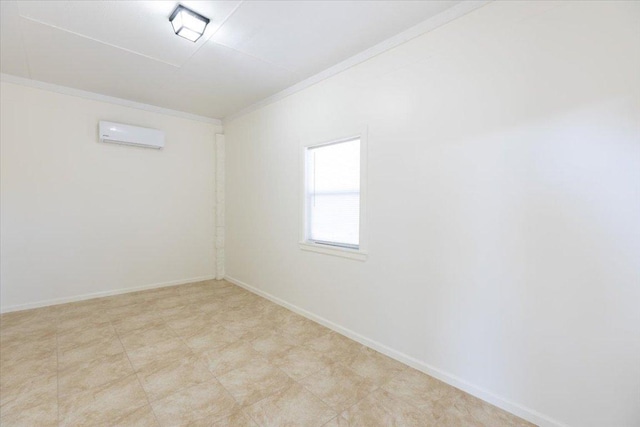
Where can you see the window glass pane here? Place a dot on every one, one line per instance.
(333, 193)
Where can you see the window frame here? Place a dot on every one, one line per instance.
(342, 251)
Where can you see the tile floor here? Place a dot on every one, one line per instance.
(209, 354)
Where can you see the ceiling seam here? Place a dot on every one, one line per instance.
(24, 45)
(231, 48)
(206, 41)
(255, 57)
(214, 32)
(100, 41)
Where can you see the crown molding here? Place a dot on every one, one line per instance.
(105, 98)
(430, 24)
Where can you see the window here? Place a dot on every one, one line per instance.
(332, 197)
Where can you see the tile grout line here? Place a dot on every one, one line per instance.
(240, 406)
(241, 409)
(177, 335)
(294, 381)
(164, 322)
(146, 395)
(261, 356)
(378, 387)
(215, 377)
(320, 399)
(407, 367)
(339, 414)
(381, 387)
(193, 303)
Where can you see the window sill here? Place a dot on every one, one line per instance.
(356, 254)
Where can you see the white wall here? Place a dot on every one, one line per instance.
(503, 201)
(80, 217)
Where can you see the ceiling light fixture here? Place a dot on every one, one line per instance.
(187, 23)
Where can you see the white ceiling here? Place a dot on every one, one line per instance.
(250, 50)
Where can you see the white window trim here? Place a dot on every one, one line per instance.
(305, 244)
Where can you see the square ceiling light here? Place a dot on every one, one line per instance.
(187, 23)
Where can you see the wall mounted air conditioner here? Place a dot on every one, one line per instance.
(118, 133)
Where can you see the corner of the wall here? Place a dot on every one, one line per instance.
(220, 200)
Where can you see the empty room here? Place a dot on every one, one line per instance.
(320, 213)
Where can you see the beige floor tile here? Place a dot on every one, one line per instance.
(28, 364)
(21, 334)
(28, 347)
(170, 302)
(373, 365)
(239, 419)
(74, 356)
(381, 409)
(28, 320)
(333, 345)
(141, 417)
(451, 416)
(123, 300)
(338, 386)
(87, 334)
(102, 404)
(421, 390)
(464, 409)
(300, 362)
(247, 329)
(254, 382)
(191, 299)
(198, 287)
(16, 337)
(19, 396)
(72, 364)
(176, 311)
(277, 314)
(203, 422)
(209, 338)
(270, 345)
(209, 305)
(261, 303)
(163, 351)
(160, 293)
(294, 406)
(231, 314)
(337, 422)
(489, 415)
(189, 322)
(151, 335)
(161, 379)
(223, 285)
(74, 315)
(302, 330)
(92, 374)
(203, 401)
(239, 299)
(43, 414)
(233, 356)
(119, 313)
(143, 320)
(17, 318)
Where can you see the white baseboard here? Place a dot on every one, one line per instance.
(64, 300)
(479, 392)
